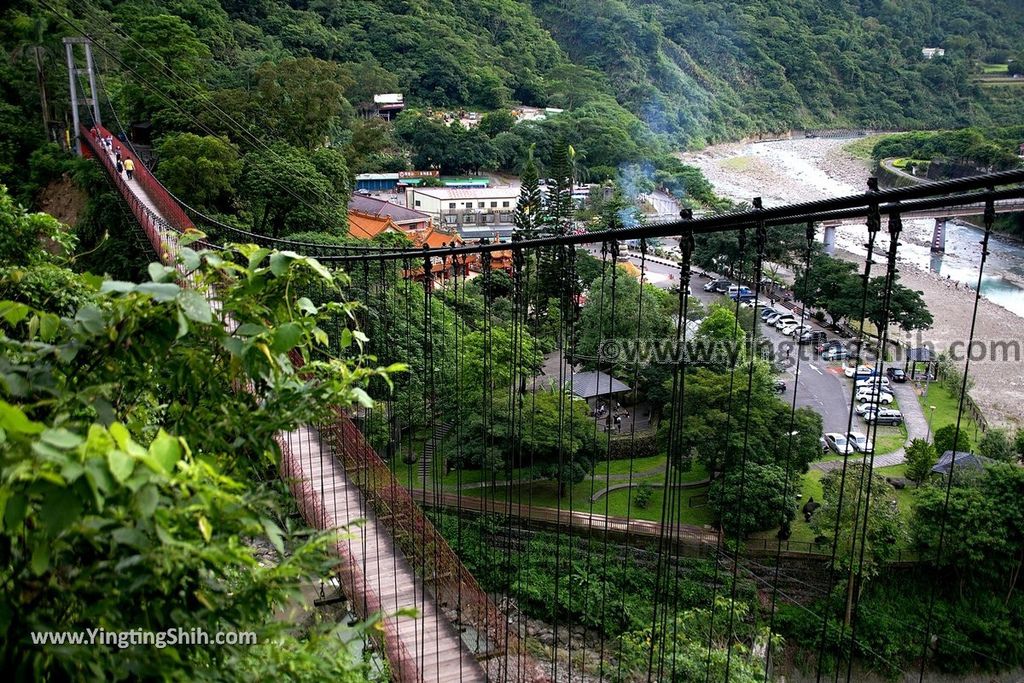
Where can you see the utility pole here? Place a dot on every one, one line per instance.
(73, 73)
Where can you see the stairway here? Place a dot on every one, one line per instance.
(440, 431)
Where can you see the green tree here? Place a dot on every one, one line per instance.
(907, 308)
(983, 541)
(528, 216)
(864, 541)
(24, 236)
(720, 324)
(167, 55)
(831, 285)
(995, 443)
(702, 646)
(496, 122)
(759, 498)
(921, 457)
(201, 170)
(284, 192)
(558, 211)
(715, 422)
(943, 439)
(127, 467)
(613, 312)
(303, 100)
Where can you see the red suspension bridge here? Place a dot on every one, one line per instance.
(437, 623)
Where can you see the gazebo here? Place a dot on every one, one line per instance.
(920, 354)
(959, 461)
(594, 384)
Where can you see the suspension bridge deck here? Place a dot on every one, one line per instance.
(420, 641)
(370, 561)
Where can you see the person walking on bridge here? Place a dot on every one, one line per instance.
(118, 166)
(129, 167)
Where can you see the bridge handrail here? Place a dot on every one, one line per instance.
(153, 188)
(163, 236)
(164, 240)
(390, 500)
(403, 664)
(903, 200)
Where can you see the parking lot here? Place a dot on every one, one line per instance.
(818, 384)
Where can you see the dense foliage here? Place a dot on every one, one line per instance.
(989, 149)
(129, 455)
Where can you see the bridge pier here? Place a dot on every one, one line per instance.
(939, 236)
(830, 239)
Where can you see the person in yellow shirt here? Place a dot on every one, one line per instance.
(129, 167)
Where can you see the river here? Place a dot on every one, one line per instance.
(788, 171)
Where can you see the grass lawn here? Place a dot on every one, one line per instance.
(861, 148)
(622, 466)
(946, 405)
(904, 497)
(801, 531)
(890, 438)
(545, 494)
(995, 68)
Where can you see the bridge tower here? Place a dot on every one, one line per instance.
(73, 82)
(829, 239)
(939, 236)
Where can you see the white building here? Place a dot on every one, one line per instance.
(476, 212)
(929, 52)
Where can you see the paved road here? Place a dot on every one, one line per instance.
(819, 385)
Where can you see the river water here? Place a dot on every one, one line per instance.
(788, 171)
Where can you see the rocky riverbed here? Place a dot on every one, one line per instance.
(790, 171)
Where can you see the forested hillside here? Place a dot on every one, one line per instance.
(240, 94)
(708, 70)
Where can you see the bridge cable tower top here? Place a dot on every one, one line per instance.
(73, 73)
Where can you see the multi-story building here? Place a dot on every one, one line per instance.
(475, 212)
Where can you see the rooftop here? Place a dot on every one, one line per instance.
(469, 192)
(378, 207)
(367, 226)
(595, 383)
(960, 461)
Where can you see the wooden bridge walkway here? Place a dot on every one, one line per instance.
(419, 640)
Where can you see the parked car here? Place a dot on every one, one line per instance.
(770, 320)
(835, 354)
(795, 330)
(713, 285)
(767, 311)
(812, 337)
(859, 372)
(896, 374)
(839, 443)
(781, 322)
(779, 386)
(826, 345)
(863, 409)
(884, 417)
(737, 290)
(874, 395)
(873, 382)
(860, 442)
